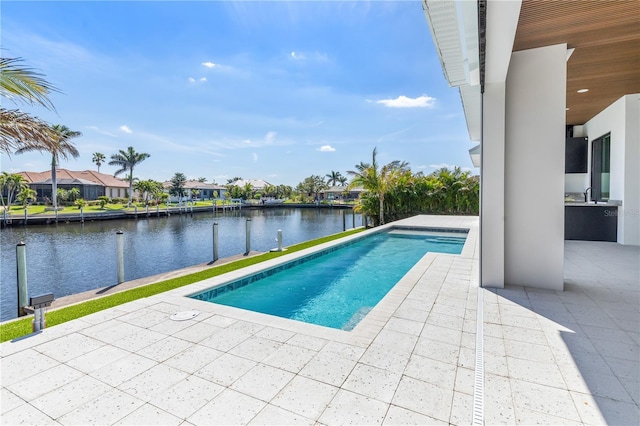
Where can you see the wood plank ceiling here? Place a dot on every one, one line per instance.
(606, 37)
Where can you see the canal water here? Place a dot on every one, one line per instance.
(70, 258)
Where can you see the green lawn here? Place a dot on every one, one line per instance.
(22, 327)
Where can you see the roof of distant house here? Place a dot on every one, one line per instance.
(255, 183)
(194, 184)
(70, 175)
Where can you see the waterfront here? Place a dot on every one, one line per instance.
(71, 258)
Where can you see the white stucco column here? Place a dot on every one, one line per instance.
(534, 167)
(492, 185)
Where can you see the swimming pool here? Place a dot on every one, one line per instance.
(336, 287)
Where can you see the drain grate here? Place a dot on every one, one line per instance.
(478, 385)
(184, 315)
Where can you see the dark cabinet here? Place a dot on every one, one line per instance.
(575, 157)
(591, 223)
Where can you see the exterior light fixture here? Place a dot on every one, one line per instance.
(583, 90)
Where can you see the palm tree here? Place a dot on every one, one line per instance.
(13, 184)
(334, 178)
(342, 180)
(127, 161)
(59, 147)
(377, 180)
(18, 129)
(98, 159)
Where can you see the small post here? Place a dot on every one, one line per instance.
(279, 239)
(25, 215)
(147, 207)
(353, 219)
(248, 237)
(215, 241)
(158, 210)
(344, 221)
(21, 265)
(192, 209)
(56, 213)
(120, 245)
(213, 206)
(81, 214)
(135, 211)
(366, 220)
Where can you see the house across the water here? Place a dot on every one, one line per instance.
(90, 183)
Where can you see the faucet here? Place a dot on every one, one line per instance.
(586, 199)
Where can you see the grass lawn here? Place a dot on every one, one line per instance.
(22, 327)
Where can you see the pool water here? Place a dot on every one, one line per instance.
(338, 287)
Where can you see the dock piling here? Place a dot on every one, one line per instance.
(120, 246)
(21, 266)
(248, 237)
(215, 241)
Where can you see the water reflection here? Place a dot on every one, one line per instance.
(71, 258)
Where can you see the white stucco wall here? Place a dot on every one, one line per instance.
(492, 185)
(534, 168)
(622, 120)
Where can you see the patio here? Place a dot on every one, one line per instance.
(550, 357)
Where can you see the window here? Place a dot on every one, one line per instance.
(600, 167)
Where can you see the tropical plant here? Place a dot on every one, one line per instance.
(177, 188)
(98, 159)
(80, 202)
(334, 178)
(11, 184)
(25, 195)
(59, 147)
(233, 179)
(148, 189)
(103, 200)
(343, 181)
(73, 194)
(127, 161)
(377, 180)
(202, 179)
(20, 130)
(62, 195)
(247, 191)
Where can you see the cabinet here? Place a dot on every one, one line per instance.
(591, 223)
(575, 156)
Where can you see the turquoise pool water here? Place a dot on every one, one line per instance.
(338, 287)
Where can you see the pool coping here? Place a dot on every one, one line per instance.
(371, 325)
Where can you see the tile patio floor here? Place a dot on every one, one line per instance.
(549, 357)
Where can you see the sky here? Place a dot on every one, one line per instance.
(272, 90)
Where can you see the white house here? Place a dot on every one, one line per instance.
(527, 72)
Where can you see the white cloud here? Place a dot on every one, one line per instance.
(126, 129)
(295, 55)
(97, 129)
(192, 80)
(203, 79)
(209, 64)
(255, 157)
(401, 101)
(270, 137)
(326, 148)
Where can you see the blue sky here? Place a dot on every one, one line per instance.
(271, 90)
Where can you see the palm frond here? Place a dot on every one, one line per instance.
(22, 132)
(20, 83)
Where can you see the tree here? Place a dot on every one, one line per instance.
(312, 185)
(177, 185)
(12, 184)
(59, 147)
(25, 195)
(202, 179)
(376, 180)
(233, 179)
(247, 191)
(148, 189)
(127, 161)
(74, 194)
(98, 159)
(334, 178)
(342, 180)
(18, 129)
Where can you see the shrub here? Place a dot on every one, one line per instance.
(80, 202)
